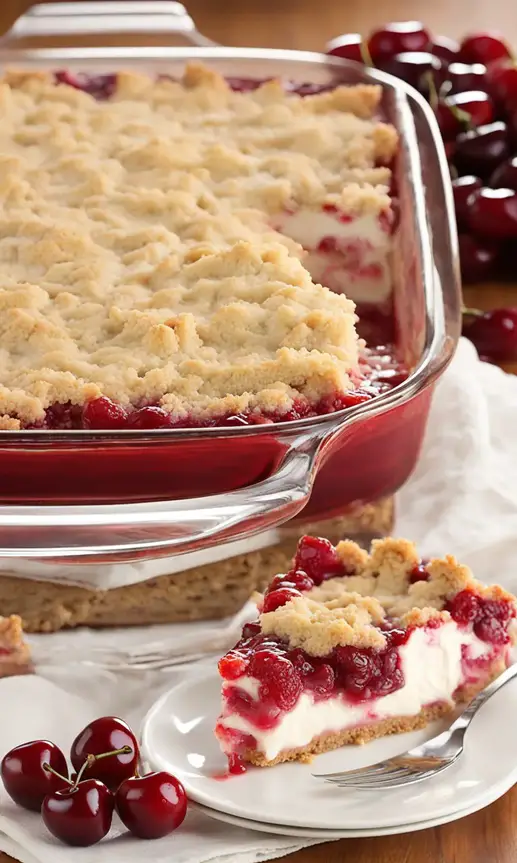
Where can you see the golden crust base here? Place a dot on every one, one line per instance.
(17, 660)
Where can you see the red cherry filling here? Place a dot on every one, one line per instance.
(98, 86)
(318, 558)
(294, 578)
(418, 573)
(360, 674)
(489, 617)
(104, 414)
(276, 598)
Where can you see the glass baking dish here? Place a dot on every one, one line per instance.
(121, 495)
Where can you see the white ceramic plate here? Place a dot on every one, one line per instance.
(328, 835)
(177, 736)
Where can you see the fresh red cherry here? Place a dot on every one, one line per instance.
(102, 413)
(80, 815)
(483, 48)
(493, 333)
(462, 188)
(151, 806)
(279, 597)
(479, 151)
(493, 213)
(349, 46)
(477, 104)
(151, 417)
(415, 68)
(505, 176)
(24, 777)
(107, 734)
(396, 38)
(447, 50)
(478, 258)
(502, 80)
(467, 77)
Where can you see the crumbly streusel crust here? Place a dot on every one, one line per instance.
(14, 652)
(137, 254)
(347, 610)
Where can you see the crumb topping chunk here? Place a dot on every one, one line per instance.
(354, 609)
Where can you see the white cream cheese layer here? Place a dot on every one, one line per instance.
(433, 667)
(361, 268)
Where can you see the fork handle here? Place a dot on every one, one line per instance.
(465, 718)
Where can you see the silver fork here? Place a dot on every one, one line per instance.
(423, 761)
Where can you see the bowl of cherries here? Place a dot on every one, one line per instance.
(472, 88)
(77, 807)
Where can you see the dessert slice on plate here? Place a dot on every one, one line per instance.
(14, 652)
(350, 646)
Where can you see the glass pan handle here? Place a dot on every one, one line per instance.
(137, 530)
(104, 18)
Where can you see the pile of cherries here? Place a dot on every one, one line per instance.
(472, 88)
(78, 810)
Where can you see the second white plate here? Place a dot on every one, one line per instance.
(177, 736)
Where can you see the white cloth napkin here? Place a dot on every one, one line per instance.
(462, 499)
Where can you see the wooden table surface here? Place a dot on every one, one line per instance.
(488, 836)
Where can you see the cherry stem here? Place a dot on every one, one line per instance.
(474, 313)
(91, 759)
(365, 54)
(433, 92)
(462, 117)
(48, 769)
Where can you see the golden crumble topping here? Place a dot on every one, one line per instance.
(347, 610)
(137, 250)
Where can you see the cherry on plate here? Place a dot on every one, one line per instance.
(493, 213)
(478, 258)
(505, 176)
(349, 46)
(462, 188)
(151, 806)
(24, 777)
(397, 38)
(483, 48)
(447, 50)
(80, 815)
(107, 734)
(479, 151)
(493, 333)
